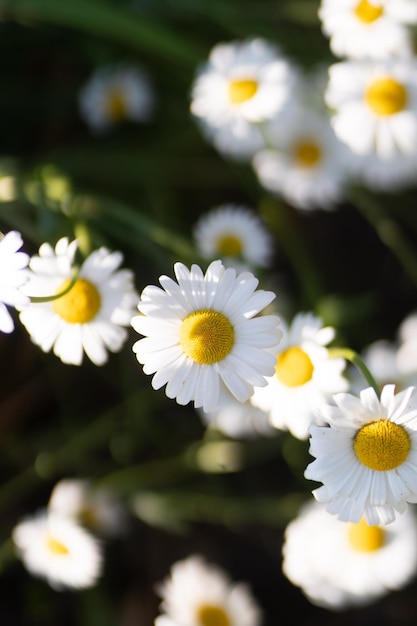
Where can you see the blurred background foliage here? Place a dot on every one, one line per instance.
(139, 189)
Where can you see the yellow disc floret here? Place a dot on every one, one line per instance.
(210, 615)
(80, 304)
(382, 445)
(294, 367)
(229, 245)
(364, 538)
(386, 96)
(206, 336)
(56, 547)
(116, 106)
(368, 12)
(307, 153)
(242, 90)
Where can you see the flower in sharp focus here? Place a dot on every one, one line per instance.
(375, 106)
(305, 376)
(59, 550)
(376, 29)
(200, 594)
(114, 94)
(91, 316)
(96, 508)
(236, 235)
(366, 457)
(304, 162)
(340, 565)
(13, 275)
(204, 332)
(243, 84)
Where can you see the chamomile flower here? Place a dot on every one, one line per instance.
(305, 376)
(384, 175)
(235, 234)
(304, 162)
(376, 29)
(366, 457)
(91, 317)
(114, 94)
(13, 274)
(201, 333)
(59, 550)
(243, 84)
(375, 106)
(340, 565)
(94, 507)
(198, 594)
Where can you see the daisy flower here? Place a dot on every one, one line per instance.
(94, 507)
(243, 84)
(375, 106)
(305, 376)
(341, 565)
(236, 234)
(59, 550)
(368, 28)
(383, 175)
(304, 162)
(201, 333)
(200, 594)
(366, 457)
(114, 94)
(91, 315)
(13, 275)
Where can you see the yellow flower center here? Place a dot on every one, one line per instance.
(294, 367)
(209, 615)
(242, 90)
(229, 245)
(56, 547)
(368, 12)
(386, 96)
(364, 538)
(206, 336)
(382, 445)
(80, 305)
(116, 106)
(307, 153)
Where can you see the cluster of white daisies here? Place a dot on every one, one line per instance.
(309, 135)
(215, 340)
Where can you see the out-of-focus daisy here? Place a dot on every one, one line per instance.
(114, 94)
(366, 457)
(236, 235)
(243, 84)
(341, 565)
(368, 28)
(407, 349)
(384, 175)
(304, 162)
(91, 316)
(13, 275)
(375, 106)
(239, 420)
(59, 550)
(200, 594)
(201, 333)
(96, 508)
(305, 376)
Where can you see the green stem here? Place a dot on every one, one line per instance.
(356, 359)
(40, 299)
